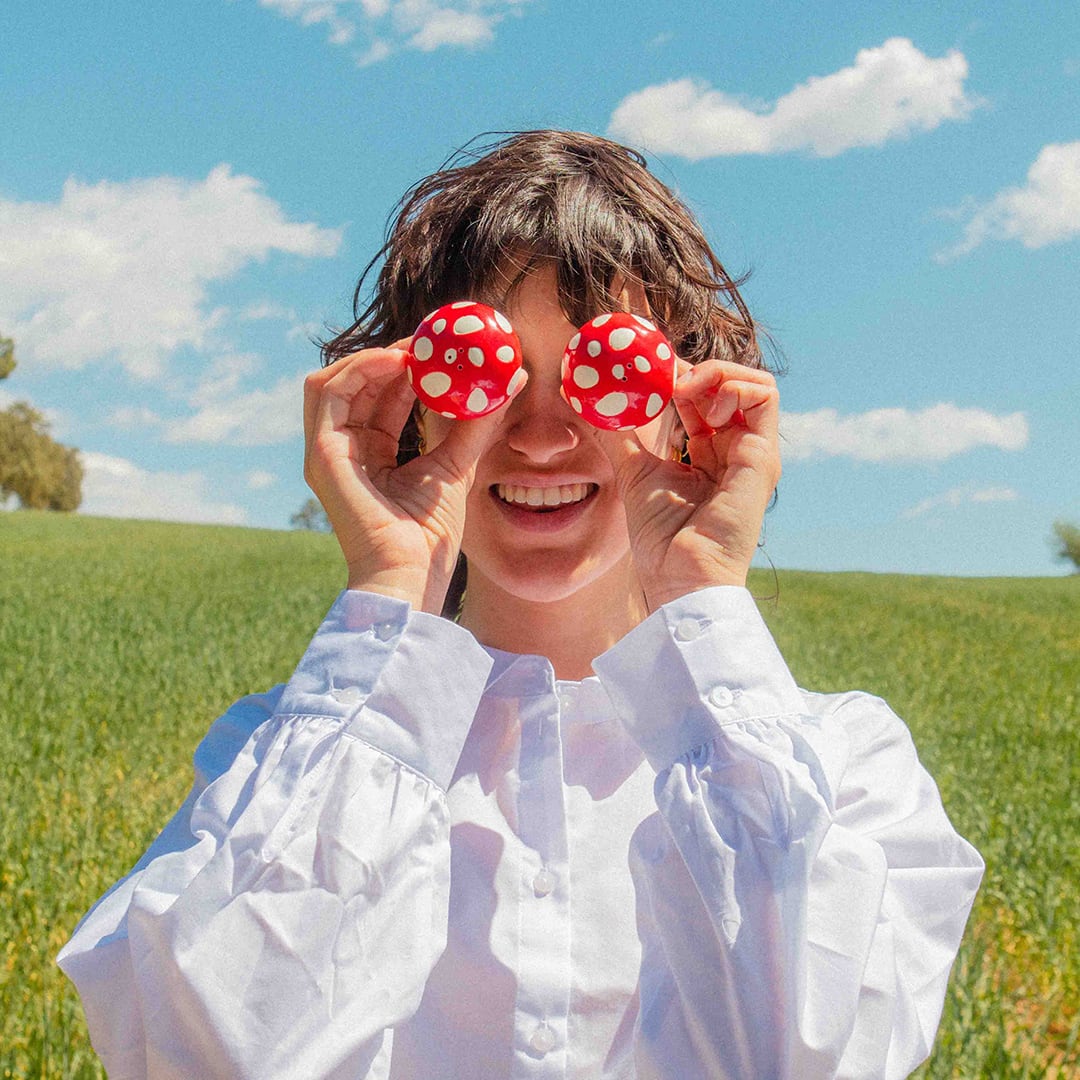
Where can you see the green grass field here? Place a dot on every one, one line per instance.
(121, 641)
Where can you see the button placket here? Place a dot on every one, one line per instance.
(346, 695)
(544, 882)
(721, 697)
(542, 1040)
(543, 996)
(687, 630)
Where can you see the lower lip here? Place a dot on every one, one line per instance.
(537, 521)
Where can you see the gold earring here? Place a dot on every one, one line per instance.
(421, 437)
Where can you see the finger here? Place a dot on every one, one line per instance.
(348, 395)
(744, 405)
(713, 393)
(395, 405)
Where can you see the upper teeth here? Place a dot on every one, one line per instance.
(542, 496)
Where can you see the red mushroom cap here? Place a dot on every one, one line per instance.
(618, 371)
(464, 360)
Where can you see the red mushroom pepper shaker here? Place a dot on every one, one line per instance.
(464, 360)
(618, 371)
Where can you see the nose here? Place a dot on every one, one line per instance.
(541, 426)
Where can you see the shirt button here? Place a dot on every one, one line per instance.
(543, 1039)
(384, 631)
(721, 697)
(346, 695)
(687, 630)
(544, 882)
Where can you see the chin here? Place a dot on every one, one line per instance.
(527, 579)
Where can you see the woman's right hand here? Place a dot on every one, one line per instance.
(399, 527)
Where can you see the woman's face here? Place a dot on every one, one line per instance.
(543, 518)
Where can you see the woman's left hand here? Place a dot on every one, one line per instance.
(698, 525)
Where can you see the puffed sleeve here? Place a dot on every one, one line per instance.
(291, 911)
(801, 892)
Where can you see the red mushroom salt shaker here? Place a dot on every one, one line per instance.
(464, 360)
(618, 371)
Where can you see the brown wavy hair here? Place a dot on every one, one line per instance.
(583, 202)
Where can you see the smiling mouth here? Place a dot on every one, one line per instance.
(543, 499)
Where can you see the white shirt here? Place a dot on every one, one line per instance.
(422, 858)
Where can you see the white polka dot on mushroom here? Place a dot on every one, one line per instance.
(653, 405)
(505, 353)
(468, 324)
(477, 401)
(601, 319)
(423, 348)
(439, 325)
(594, 348)
(621, 338)
(435, 383)
(476, 355)
(642, 364)
(586, 377)
(612, 404)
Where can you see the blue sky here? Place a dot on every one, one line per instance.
(189, 191)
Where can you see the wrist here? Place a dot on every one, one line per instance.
(396, 583)
(659, 595)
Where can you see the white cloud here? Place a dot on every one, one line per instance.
(445, 27)
(260, 480)
(116, 487)
(122, 270)
(1046, 210)
(958, 497)
(222, 377)
(889, 92)
(256, 418)
(392, 24)
(899, 435)
(266, 309)
(133, 417)
(378, 51)
(340, 29)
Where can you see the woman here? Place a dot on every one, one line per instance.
(592, 828)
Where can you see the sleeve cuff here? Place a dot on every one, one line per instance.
(694, 665)
(404, 681)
